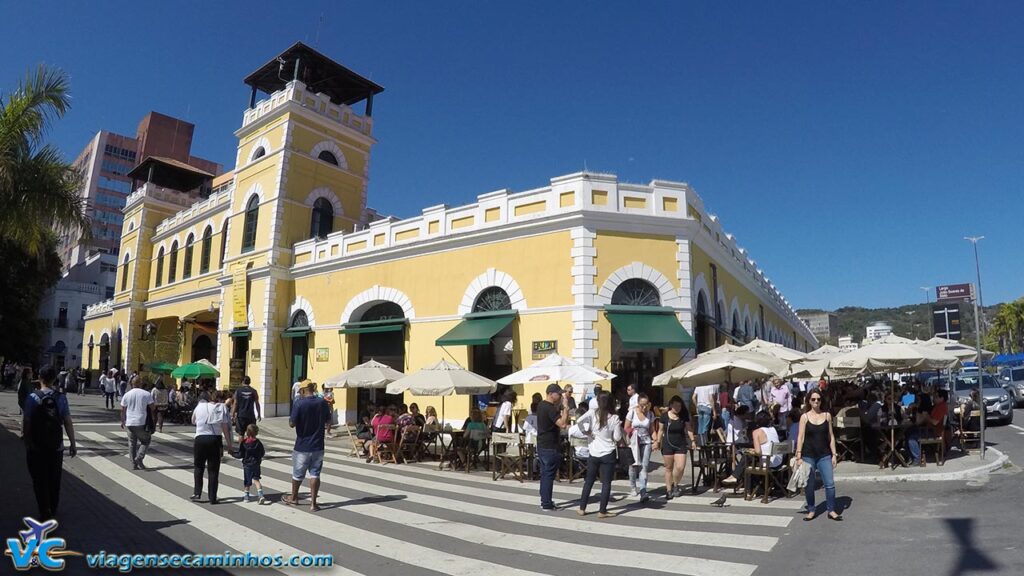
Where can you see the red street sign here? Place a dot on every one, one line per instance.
(953, 293)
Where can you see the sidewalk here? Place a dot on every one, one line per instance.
(960, 467)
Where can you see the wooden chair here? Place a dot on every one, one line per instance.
(577, 467)
(507, 456)
(758, 465)
(358, 444)
(716, 457)
(429, 437)
(475, 444)
(849, 441)
(388, 451)
(409, 447)
(969, 436)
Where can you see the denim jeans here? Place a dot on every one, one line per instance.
(605, 465)
(914, 436)
(550, 459)
(824, 467)
(638, 471)
(724, 418)
(703, 420)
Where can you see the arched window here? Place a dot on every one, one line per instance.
(383, 311)
(124, 272)
(299, 320)
(223, 243)
(492, 299)
(322, 222)
(636, 292)
(204, 255)
(252, 214)
(160, 267)
(258, 153)
(172, 268)
(328, 157)
(189, 249)
(736, 333)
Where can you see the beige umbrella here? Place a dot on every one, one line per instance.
(890, 339)
(370, 374)
(961, 351)
(810, 368)
(826, 351)
(772, 349)
(442, 379)
(725, 367)
(891, 357)
(724, 348)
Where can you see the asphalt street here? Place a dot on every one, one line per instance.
(414, 519)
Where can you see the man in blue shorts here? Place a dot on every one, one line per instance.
(310, 417)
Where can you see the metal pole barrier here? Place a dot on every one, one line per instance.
(981, 379)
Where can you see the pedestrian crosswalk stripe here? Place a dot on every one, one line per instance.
(479, 535)
(365, 540)
(215, 526)
(562, 491)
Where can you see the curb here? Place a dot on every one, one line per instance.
(988, 466)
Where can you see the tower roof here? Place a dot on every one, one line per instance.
(318, 72)
(169, 173)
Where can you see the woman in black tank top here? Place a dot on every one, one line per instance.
(816, 447)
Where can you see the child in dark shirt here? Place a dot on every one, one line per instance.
(250, 452)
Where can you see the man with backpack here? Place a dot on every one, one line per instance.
(47, 417)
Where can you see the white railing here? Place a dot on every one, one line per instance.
(196, 210)
(150, 190)
(319, 103)
(100, 308)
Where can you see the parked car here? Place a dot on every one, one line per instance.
(1014, 378)
(998, 401)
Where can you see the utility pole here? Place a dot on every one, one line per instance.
(977, 269)
(977, 338)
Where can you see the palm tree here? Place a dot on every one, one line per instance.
(39, 191)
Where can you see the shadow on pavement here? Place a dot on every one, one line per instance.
(89, 520)
(971, 559)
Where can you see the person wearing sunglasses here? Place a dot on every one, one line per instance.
(816, 447)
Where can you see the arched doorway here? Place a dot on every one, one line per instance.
(300, 345)
(494, 359)
(386, 347)
(105, 353)
(635, 366)
(702, 332)
(116, 350)
(202, 348)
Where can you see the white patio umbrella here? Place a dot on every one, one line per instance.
(891, 357)
(724, 348)
(772, 349)
(442, 379)
(557, 368)
(826, 351)
(890, 339)
(370, 374)
(725, 367)
(810, 368)
(961, 351)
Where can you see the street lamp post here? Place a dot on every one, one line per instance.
(927, 305)
(977, 338)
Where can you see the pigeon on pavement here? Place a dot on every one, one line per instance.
(719, 503)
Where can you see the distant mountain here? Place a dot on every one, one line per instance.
(910, 321)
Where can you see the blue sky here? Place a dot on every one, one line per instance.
(848, 146)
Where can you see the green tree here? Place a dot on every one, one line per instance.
(25, 279)
(39, 191)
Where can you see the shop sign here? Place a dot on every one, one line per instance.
(541, 348)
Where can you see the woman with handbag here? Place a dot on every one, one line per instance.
(640, 426)
(816, 448)
(671, 437)
(605, 433)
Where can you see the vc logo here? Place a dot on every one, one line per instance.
(35, 549)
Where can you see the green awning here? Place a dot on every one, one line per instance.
(656, 328)
(477, 329)
(374, 326)
(240, 333)
(297, 332)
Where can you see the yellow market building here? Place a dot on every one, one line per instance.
(283, 273)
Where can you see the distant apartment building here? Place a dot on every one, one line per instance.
(89, 261)
(877, 330)
(105, 163)
(846, 344)
(824, 325)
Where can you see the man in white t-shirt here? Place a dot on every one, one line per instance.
(136, 404)
(108, 385)
(297, 388)
(634, 398)
(704, 398)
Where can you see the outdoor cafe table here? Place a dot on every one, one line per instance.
(892, 438)
(450, 449)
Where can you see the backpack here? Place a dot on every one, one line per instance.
(47, 424)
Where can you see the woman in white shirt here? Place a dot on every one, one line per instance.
(605, 434)
(109, 386)
(763, 438)
(503, 418)
(640, 424)
(207, 448)
(530, 424)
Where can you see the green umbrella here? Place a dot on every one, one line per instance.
(195, 370)
(163, 367)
